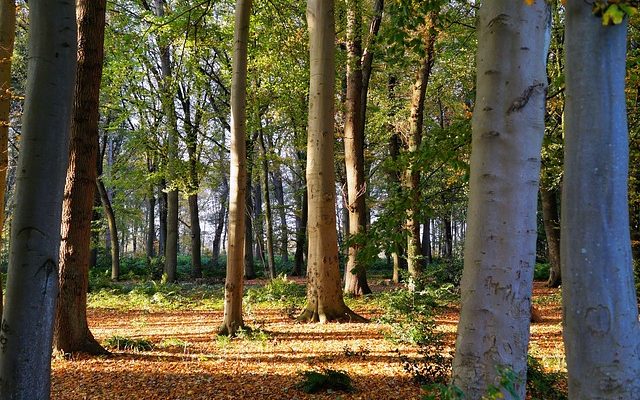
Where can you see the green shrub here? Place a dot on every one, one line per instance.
(125, 343)
(445, 271)
(543, 385)
(541, 272)
(325, 380)
(279, 289)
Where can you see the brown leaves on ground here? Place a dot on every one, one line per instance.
(190, 362)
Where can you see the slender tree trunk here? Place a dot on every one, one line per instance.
(151, 225)
(355, 274)
(301, 231)
(395, 179)
(601, 330)
(249, 258)
(220, 218)
(551, 219)
(234, 283)
(32, 286)
(71, 330)
(499, 256)
(113, 229)
(278, 191)
(448, 237)
(162, 210)
(196, 240)
(324, 293)
(425, 243)
(168, 106)
(412, 176)
(7, 38)
(258, 223)
(271, 266)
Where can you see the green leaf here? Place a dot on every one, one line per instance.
(613, 14)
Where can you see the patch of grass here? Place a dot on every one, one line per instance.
(153, 296)
(328, 380)
(126, 343)
(543, 385)
(169, 343)
(278, 290)
(553, 298)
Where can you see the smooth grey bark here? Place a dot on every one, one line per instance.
(601, 331)
(551, 221)
(324, 292)
(499, 257)
(151, 225)
(167, 95)
(32, 286)
(220, 220)
(249, 259)
(425, 243)
(268, 219)
(232, 320)
(162, 211)
(278, 191)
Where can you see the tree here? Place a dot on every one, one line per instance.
(7, 38)
(32, 285)
(601, 331)
(71, 331)
(109, 214)
(499, 257)
(324, 293)
(238, 174)
(413, 141)
(167, 96)
(355, 272)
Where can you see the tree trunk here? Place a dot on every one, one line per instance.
(238, 169)
(271, 266)
(162, 210)
(167, 95)
(601, 331)
(113, 229)
(7, 38)
(151, 225)
(324, 293)
(71, 330)
(412, 175)
(220, 218)
(196, 241)
(301, 232)
(32, 286)
(448, 237)
(507, 131)
(278, 191)
(551, 221)
(355, 274)
(249, 258)
(258, 223)
(425, 243)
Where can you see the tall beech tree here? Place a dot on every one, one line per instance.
(324, 292)
(32, 285)
(355, 274)
(7, 38)
(601, 331)
(238, 174)
(499, 255)
(413, 141)
(71, 331)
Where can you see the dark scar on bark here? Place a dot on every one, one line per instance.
(519, 103)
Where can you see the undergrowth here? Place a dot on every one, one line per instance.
(328, 380)
(126, 343)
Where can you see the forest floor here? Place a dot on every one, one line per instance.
(189, 361)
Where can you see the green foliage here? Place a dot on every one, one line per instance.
(126, 343)
(152, 295)
(279, 289)
(173, 342)
(541, 272)
(613, 12)
(543, 385)
(445, 272)
(328, 380)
